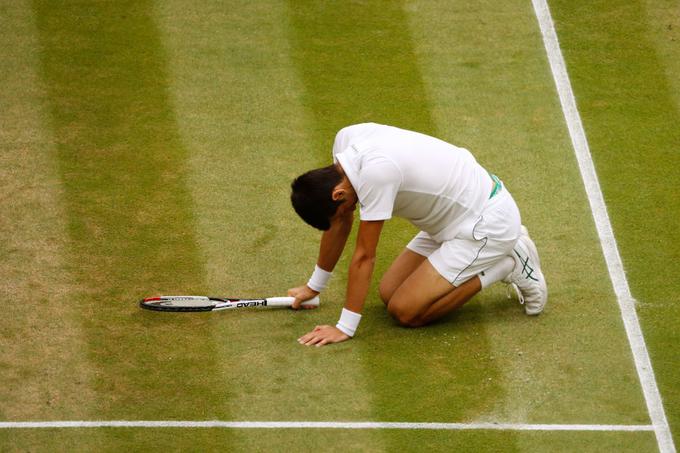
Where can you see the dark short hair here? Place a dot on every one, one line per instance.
(312, 196)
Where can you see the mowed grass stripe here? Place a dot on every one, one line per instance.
(334, 440)
(44, 371)
(609, 246)
(489, 88)
(130, 221)
(238, 103)
(494, 90)
(619, 64)
(663, 33)
(498, 92)
(358, 63)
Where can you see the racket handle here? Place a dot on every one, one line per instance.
(288, 301)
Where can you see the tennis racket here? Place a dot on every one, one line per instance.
(204, 303)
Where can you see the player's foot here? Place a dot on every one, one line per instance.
(526, 278)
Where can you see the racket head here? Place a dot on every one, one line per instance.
(179, 303)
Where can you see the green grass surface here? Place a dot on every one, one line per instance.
(149, 147)
(325, 440)
(628, 97)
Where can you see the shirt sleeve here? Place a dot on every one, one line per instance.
(378, 187)
(340, 143)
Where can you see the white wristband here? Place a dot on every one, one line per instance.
(349, 321)
(319, 279)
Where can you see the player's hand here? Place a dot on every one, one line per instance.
(322, 335)
(301, 294)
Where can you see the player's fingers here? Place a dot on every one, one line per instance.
(296, 303)
(311, 336)
(312, 341)
(305, 338)
(322, 342)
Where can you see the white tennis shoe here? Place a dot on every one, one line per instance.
(526, 278)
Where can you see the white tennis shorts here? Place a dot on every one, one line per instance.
(480, 243)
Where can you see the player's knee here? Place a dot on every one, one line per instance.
(405, 317)
(385, 292)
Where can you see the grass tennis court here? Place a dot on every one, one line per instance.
(148, 148)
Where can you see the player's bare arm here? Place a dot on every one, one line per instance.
(362, 264)
(359, 281)
(331, 247)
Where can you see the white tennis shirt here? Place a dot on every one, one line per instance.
(395, 172)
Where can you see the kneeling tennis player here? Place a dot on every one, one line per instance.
(471, 234)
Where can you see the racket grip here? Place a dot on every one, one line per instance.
(288, 301)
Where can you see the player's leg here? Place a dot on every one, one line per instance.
(478, 257)
(426, 296)
(416, 251)
(402, 267)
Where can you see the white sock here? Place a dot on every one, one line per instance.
(497, 272)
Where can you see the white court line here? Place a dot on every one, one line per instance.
(320, 425)
(604, 229)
